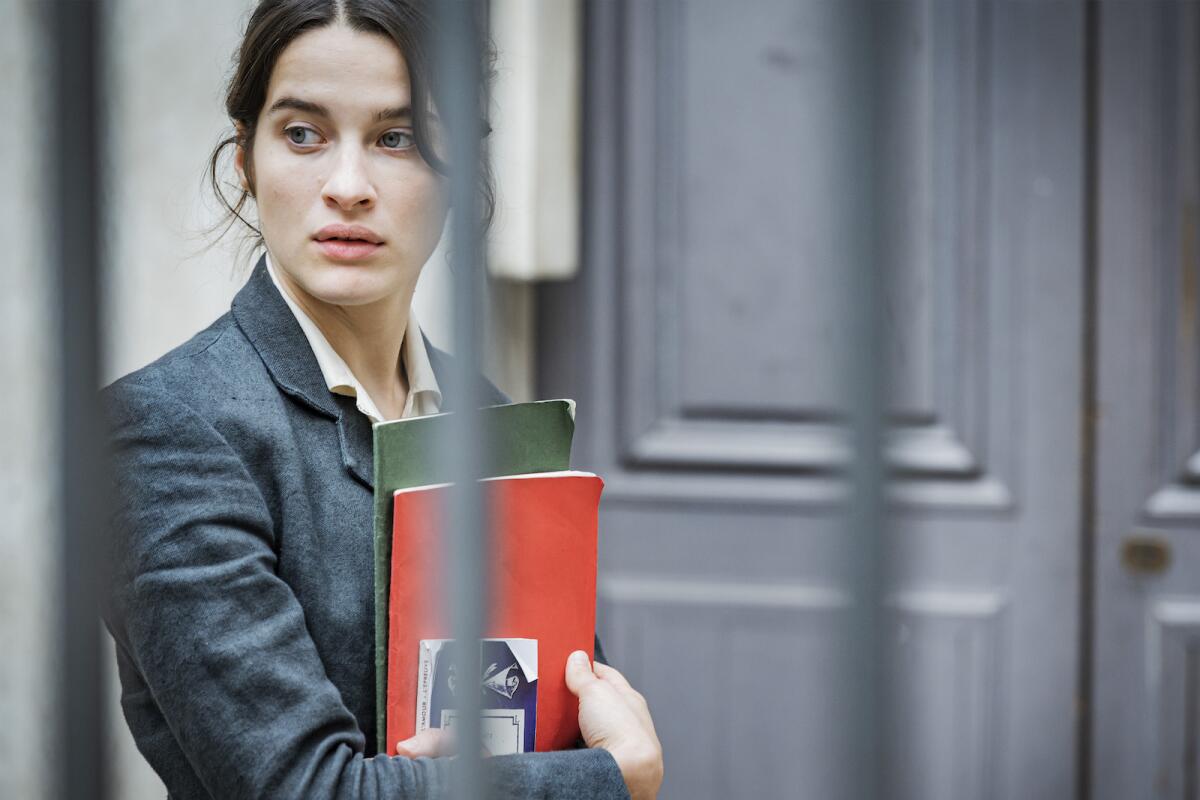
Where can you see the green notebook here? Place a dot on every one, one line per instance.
(525, 438)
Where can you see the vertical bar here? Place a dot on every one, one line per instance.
(458, 68)
(1191, 740)
(865, 385)
(74, 25)
(1089, 400)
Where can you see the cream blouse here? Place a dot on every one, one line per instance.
(424, 396)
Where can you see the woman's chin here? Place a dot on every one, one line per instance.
(345, 285)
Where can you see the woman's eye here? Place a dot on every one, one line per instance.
(396, 140)
(299, 135)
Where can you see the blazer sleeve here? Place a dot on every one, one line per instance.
(221, 643)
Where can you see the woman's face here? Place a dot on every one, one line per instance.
(334, 147)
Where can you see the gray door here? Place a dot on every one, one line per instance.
(1146, 726)
(701, 341)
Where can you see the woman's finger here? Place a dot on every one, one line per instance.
(431, 743)
(610, 674)
(579, 675)
(632, 696)
(619, 682)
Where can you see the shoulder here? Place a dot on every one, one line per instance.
(182, 434)
(215, 367)
(212, 390)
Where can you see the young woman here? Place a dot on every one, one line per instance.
(241, 596)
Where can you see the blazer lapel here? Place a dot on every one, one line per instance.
(357, 439)
(272, 329)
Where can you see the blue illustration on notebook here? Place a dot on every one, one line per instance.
(507, 686)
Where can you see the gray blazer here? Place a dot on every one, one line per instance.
(241, 593)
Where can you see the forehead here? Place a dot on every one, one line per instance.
(341, 68)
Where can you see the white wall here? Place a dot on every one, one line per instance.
(168, 62)
(28, 447)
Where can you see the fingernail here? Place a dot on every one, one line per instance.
(579, 658)
(407, 743)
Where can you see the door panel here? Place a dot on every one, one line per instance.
(1147, 662)
(703, 340)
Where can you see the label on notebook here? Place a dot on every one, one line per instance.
(507, 686)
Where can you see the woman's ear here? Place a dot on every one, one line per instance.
(239, 159)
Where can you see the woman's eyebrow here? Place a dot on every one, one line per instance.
(296, 104)
(399, 112)
(307, 106)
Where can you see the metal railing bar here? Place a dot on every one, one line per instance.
(457, 65)
(866, 673)
(79, 767)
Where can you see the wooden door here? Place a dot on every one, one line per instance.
(702, 340)
(1146, 692)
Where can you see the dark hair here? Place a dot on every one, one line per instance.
(272, 27)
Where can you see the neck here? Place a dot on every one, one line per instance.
(368, 338)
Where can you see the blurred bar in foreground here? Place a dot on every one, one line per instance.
(80, 762)
(458, 63)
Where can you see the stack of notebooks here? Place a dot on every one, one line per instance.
(541, 601)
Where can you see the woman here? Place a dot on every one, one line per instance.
(241, 595)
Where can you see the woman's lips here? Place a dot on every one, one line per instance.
(347, 249)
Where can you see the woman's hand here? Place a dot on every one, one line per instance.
(613, 715)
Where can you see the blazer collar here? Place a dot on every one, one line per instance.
(272, 329)
(264, 317)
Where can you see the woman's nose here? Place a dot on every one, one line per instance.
(349, 186)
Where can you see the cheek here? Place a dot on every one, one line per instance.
(282, 192)
(420, 208)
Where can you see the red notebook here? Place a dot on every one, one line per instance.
(542, 586)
